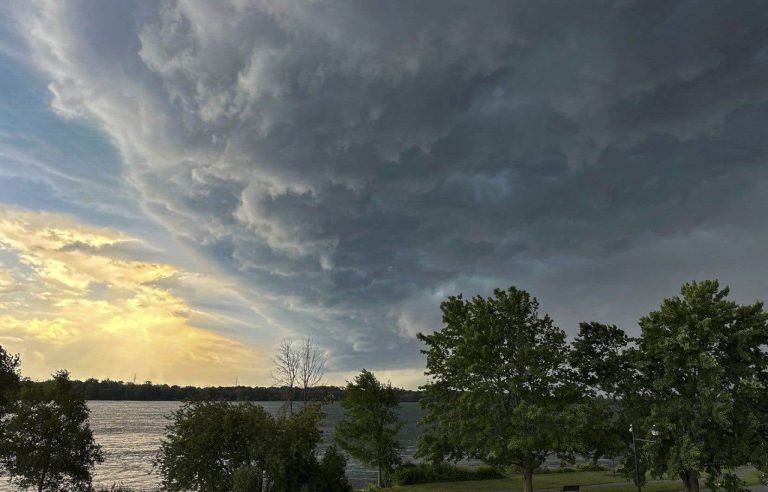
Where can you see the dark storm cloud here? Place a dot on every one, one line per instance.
(355, 162)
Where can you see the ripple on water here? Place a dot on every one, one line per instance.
(130, 433)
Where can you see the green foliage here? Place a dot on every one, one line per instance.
(9, 379)
(626, 467)
(369, 428)
(220, 446)
(207, 441)
(410, 473)
(600, 357)
(702, 381)
(47, 442)
(248, 479)
(590, 467)
(372, 487)
(292, 461)
(330, 476)
(500, 388)
(600, 428)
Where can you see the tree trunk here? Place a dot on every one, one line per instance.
(690, 480)
(527, 477)
(378, 478)
(44, 473)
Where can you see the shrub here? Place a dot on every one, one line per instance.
(221, 447)
(586, 467)
(330, 476)
(410, 473)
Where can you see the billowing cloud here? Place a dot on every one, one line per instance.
(350, 164)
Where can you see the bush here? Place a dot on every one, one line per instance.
(410, 473)
(587, 467)
(221, 447)
(330, 476)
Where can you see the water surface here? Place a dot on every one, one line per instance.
(129, 433)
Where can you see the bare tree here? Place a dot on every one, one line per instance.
(287, 361)
(311, 366)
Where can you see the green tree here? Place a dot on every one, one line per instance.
(222, 446)
(598, 429)
(47, 442)
(368, 431)
(292, 462)
(500, 388)
(206, 442)
(599, 356)
(701, 373)
(330, 476)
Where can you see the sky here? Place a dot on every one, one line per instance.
(183, 184)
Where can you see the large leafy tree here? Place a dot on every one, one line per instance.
(599, 357)
(206, 442)
(499, 388)
(369, 428)
(701, 371)
(47, 442)
(599, 428)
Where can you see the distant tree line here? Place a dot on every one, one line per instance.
(107, 389)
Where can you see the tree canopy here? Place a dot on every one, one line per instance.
(369, 428)
(221, 446)
(500, 385)
(47, 442)
(701, 371)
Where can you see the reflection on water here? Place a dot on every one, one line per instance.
(129, 433)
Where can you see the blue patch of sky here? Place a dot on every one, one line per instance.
(51, 163)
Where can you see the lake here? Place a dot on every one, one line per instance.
(129, 433)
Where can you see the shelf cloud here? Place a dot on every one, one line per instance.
(350, 164)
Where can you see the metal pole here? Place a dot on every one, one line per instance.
(637, 464)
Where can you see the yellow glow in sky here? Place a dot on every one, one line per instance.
(68, 301)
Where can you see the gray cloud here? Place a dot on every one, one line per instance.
(354, 162)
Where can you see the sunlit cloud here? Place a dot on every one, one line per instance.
(101, 315)
(336, 169)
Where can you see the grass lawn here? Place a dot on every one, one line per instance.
(607, 482)
(540, 481)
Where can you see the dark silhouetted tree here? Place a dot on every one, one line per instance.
(9, 379)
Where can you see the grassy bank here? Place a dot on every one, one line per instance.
(540, 481)
(603, 481)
